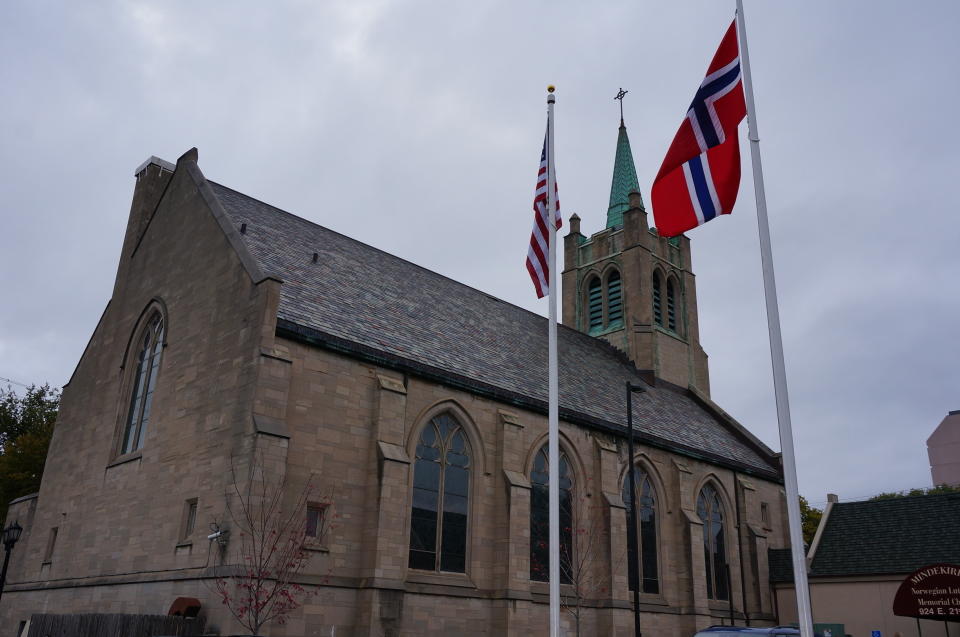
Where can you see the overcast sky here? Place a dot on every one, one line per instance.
(416, 127)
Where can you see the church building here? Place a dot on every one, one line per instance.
(237, 331)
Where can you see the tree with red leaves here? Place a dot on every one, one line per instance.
(583, 568)
(272, 550)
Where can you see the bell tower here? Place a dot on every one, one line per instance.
(633, 288)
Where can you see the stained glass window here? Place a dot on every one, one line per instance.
(441, 488)
(646, 544)
(145, 381)
(540, 518)
(710, 511)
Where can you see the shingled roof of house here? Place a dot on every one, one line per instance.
(898, 535)
(363, 301)
(882, 537)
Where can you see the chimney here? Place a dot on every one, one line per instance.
(153, 175)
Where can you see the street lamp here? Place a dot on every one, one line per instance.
(10, 536)
(631, 388)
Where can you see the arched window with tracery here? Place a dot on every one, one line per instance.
(540, 518)
(614, 299)
(144, 384)
(594, 304)
(671, 305)
(646, 544)
(441, 492)
(710, 511)
(657, 308)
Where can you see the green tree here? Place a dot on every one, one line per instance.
(26, 425)
(937, 490)
(809, 520)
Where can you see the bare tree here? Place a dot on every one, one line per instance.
(271, 546)
(588, 580)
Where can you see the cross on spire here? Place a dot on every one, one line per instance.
(620, 95)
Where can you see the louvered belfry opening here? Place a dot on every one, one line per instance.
(595, 304)
(657, 309)
(614, 299)
(671, 305)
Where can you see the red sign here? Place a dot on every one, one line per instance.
(932, 592)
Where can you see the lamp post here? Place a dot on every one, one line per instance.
(631, 388)
(10, 536)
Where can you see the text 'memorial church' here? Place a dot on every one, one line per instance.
(237, 330)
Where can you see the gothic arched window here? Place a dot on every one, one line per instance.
(614, 299)
(540, 518)
(594, 304)
(710, 511)
(646, 544)
(671, 305)
(441, 486)
(144, 383)
(657, 310)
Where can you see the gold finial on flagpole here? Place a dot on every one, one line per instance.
(551, 88)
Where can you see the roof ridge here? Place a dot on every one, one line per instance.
(393, 256)
(899, 498)
(598, 342)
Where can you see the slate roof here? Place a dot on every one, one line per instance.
(882, 537)
(780, 564)
(365, 300)
(898, 535)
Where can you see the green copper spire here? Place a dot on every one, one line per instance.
(624, 180)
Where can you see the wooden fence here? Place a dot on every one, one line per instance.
(99, 625)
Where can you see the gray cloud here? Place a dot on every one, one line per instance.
(416, 127)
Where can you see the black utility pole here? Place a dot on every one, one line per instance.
(10, 536)
(631, 388)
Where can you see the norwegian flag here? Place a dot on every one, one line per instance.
(700, 175)
(537, 255)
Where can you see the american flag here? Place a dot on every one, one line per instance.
(537, 256)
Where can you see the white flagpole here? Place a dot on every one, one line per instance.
(776, 350)
(553, 383)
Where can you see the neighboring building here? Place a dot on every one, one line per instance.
(943, 449)
(860, 555)
(236, 328)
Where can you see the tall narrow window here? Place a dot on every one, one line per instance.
(540, 518)
(614, 299)
(316, 522)
(646, 544)
(671, 305)
(657, 310)
(189, 521)
(710, 511)
(148, 363)
(441, 478)
(51, 545)
(594, 304)
(191, 518)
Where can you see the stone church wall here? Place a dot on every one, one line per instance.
(118, 517)
(356, 425)
(229, 387)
